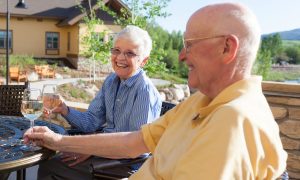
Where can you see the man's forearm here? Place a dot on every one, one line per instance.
(111, 145)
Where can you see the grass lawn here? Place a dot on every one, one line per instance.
(287, 43)
(284, 74)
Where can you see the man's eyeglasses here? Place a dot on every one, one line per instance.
(127, 54)
(187, 46)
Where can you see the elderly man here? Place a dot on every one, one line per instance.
(127, 100)
(224, 131)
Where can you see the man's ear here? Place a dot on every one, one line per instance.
(230, 48)
(144, 61)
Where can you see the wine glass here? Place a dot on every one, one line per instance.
(32, 108)
(50, 99)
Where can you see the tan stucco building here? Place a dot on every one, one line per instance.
(50, 29)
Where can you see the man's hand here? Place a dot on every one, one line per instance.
(42, 136)
(74, 158)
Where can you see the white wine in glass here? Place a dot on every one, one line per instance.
(32, 108)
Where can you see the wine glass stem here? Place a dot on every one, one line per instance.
(31, 124)
(48, 116)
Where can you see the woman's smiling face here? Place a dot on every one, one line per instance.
(126, 58)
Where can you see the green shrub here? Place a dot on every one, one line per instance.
(73, 93)
(22, 61)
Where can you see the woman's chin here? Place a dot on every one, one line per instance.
(122, 75)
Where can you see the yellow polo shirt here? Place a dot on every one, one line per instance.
(234, 136)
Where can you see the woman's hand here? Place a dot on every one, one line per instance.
(43, 136)
(62, 108)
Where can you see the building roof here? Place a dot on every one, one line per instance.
(66, 11)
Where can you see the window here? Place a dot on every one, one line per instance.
(103, 37)
(3, 39)
(108, 37)
(52, 40)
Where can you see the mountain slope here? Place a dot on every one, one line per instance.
(287, 35)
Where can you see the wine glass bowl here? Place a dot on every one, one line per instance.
(32, 108)
(51, 99)
(32, 105)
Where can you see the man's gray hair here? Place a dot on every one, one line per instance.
(250, 33)
(235, 18)
(139, 37)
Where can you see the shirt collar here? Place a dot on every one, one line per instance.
(228, 94)
(130, 81)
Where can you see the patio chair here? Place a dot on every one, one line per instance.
(11, 99)
(44, 71)
(105, 169)
(10, 105)
(38, 69)
(16, 74)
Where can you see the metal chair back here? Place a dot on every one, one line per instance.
(166, 106)
(11, 99)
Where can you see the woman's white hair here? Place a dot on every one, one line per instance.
(139, 37)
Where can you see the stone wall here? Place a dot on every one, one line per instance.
(175, 93)
(284, 100)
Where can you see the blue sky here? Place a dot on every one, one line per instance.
(273, 15)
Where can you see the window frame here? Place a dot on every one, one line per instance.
(52, 51)
(10, 39)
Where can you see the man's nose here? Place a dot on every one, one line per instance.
(182, 55)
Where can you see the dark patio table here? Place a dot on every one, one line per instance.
(12, 156)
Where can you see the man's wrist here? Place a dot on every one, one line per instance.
(59, 142)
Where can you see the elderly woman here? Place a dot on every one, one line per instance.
(127, 100)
